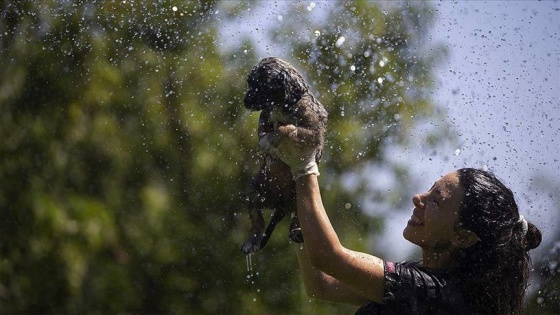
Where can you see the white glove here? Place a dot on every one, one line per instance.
(297, 155)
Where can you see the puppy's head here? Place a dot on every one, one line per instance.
(273, 82)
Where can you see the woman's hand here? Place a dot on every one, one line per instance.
(299, 156)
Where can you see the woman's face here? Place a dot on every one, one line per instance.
(435, 213)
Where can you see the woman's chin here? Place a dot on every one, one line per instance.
(406, 233)
(410, 234)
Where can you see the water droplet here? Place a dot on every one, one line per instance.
(340, 41)
(311, 6)
(249, 262)
(457, 151)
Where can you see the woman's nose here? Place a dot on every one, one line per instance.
(417, 201)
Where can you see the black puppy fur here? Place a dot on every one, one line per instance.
(280, 93)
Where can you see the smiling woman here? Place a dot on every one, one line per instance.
(468, 222)
(432, 223)
(473, 239)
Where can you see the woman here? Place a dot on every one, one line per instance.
(474, 246)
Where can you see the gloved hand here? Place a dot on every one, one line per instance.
(299, 156)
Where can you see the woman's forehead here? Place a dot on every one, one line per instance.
(447, 185)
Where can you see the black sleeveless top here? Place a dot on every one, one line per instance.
(412, 289)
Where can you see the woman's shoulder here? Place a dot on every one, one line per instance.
(406, 263)
(410, 277)
(415, 269)
(413, 289)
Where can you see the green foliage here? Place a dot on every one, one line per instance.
(126, 147)
(545, 278)
(372, 73)
(546, 299)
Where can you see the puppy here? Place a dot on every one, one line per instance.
(277, 90)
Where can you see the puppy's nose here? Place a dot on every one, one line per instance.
(249, 99)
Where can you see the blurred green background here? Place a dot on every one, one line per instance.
(126, 147)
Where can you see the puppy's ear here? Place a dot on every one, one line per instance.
(277, 81)
(295, 86)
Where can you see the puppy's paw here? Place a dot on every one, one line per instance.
(265, 143)
(296, 235)
(252, 245)
(287, 131)
(268, 144)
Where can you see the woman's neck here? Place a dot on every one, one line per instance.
(438, 259)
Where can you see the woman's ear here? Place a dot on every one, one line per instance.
(464, 238)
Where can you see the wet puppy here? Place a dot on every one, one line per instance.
(277, 90)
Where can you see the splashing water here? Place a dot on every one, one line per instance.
(250, 279)
(311, 6)
(249, 261)
(340, 41)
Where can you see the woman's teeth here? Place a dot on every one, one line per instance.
(414, 220)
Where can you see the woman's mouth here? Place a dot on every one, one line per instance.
(415, 221)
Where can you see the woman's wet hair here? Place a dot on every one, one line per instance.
(496, 268)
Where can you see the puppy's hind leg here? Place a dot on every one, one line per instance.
(276, 217)
(295, 231)
(253, 243)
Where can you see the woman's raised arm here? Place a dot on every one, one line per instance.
(319, 285)
(360, 272)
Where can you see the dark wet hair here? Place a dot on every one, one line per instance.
(496, 269)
